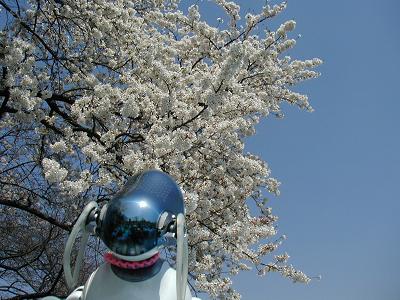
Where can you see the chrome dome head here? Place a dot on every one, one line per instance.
(135, 219)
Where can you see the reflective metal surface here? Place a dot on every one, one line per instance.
(130, 224)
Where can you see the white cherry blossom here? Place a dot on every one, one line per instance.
(100, 90)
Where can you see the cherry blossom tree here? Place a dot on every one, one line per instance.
(94, 91)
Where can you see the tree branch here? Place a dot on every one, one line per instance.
(35, 212)
(192, 119)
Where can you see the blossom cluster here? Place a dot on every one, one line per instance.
(118, 87)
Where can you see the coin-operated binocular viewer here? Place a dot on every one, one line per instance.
(141, 219)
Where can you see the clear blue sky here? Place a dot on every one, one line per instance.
(339, 166)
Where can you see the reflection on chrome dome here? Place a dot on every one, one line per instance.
(130, 224)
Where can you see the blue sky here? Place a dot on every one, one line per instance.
(339, 166)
